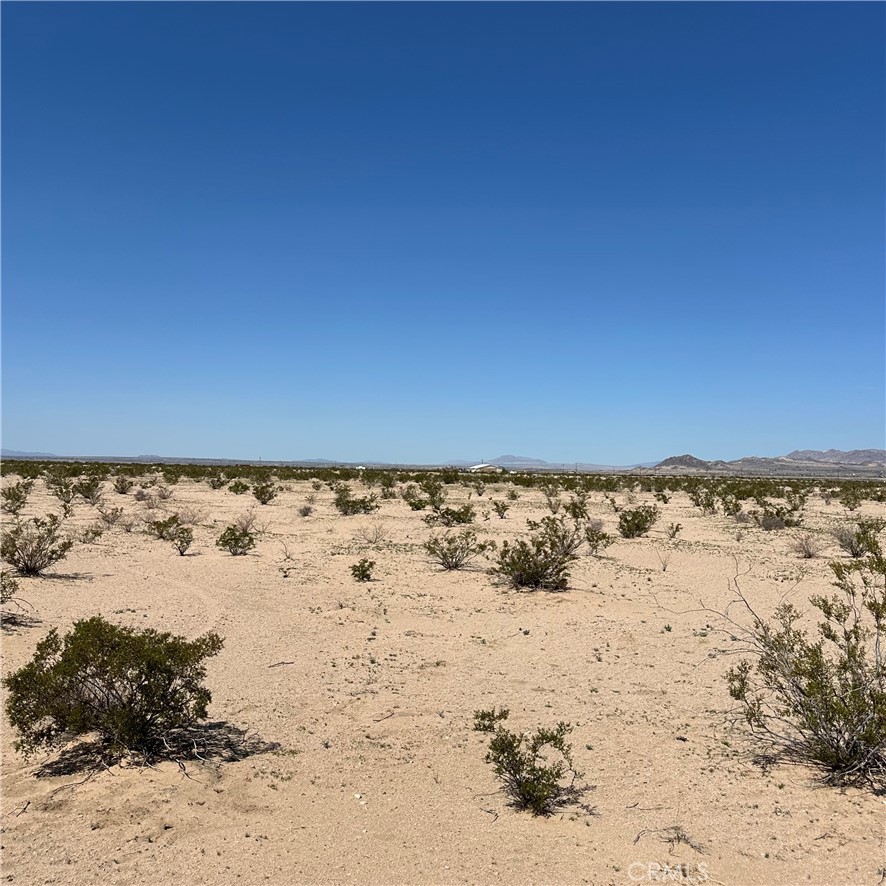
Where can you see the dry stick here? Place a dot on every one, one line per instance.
(279, 663)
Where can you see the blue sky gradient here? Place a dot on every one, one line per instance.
(418, 232)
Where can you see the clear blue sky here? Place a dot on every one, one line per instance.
(420, 232)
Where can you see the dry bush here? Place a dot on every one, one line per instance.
(190, 517)
(375, 533)
(806, 546)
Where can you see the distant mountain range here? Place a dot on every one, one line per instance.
(811, 462)
(800, 462)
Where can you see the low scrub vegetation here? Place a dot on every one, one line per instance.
(131, 687)
(453, 550)
(32, 546)
(821, 700)
(542, 561)
(236, 541)
(636, 522)
(522, 761)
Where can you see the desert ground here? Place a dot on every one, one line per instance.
(358, 698)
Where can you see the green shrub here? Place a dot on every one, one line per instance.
(454, 550)
(450, 516)
(362, 571)
(265, 493)
(238, 487)
(122, 484)
(182, 539)
(217, 481)
(305, 511)
(8, 587)
(129, 686)
(521, 761)
(15, 497)
(543, 560)
(63, 489)
(348, 504)
(674, 530)
(32, 546)
(596, 538)
(237, 540)
(89, 489)
(164, 529)
(862, 539)
(411, 496)
(822, 700)
(637, 522)
(501, 508)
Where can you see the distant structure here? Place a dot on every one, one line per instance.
(487, 469)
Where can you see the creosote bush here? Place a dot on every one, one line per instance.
(597, 540)
(862, 539)
(238, 487)
(122, 484)
(542, 561)
(519, 760)
(454, 550)
(32, 546)
(132, 687)
(265, 493)
(441, 516)
(63, 489)
(182, 539)
(349, 504)
(164, 529)
(237, 541)
(822, 700)
(638, 521)
(362, 570)
(89, 489)
(15, 497)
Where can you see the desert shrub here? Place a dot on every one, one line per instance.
(349, 504)
(163, 493)
(702, 497)
(163, 529)
(543, 560)
(577, 507)
(638, 521)
(851, 497)
(450, 516)
(375, 533)
(731, 504)
(8, 587)
(454, 550)
(305, 511)
(217, 481)
(15, 497)
(265, 493)
(89, 489)
(663, 497)
(238, 487)
(413, 498)
(806, 546)
(109, 516)
(316, 485)
(775, 517)
(63, 489)
(127, 523)
(130, 686)
(236, 540)
(501, 508)
(182, 539)
(674, 530)
(122, 484)
(432, 487)
(521, 761)
(141, 494)
(89, 534)
(512, 495)
(596, 538)
(822, 700)
(32, 546)
(189, 516)
(362, 570)
(861, 539)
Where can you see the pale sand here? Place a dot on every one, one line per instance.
(380, 699)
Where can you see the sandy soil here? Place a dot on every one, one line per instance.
(363, 695)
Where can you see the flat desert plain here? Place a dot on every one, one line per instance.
(361, 764)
